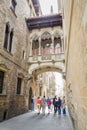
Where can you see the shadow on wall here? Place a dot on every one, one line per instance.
(30, 96)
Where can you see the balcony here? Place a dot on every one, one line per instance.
(46, 58)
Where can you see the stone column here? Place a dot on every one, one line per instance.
(31, 47)
(62, 42)
(53, 44)
(39, 45)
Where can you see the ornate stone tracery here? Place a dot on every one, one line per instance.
(58, 33)
(47, 42)
(35, 37)
(46, 35)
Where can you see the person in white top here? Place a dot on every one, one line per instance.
(43, 105)
(63, 105)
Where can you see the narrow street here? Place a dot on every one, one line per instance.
(32, 121)
(43, 64)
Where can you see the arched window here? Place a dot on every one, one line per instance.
(11, 38)
(57, 45)
(35, 46)
(19, 84)
(7, 30)
(46, 42)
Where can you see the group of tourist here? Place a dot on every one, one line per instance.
(58, 103)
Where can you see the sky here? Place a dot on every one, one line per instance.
(46, 6)
(59, 80)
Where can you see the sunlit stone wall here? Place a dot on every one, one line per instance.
(75, 37)
(14, 64)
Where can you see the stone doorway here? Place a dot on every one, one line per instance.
(30, 96)
(5, 114)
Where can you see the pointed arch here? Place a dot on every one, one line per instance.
(35, 37)
(6, 38)
(46, 35)
(46, 42)
(58, 33)
(35, 45)
(57, 42)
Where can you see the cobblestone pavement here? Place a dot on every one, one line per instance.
(33, 121)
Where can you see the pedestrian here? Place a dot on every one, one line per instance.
(63, 105)
(48, 100)
(43, 105)
(38, 102)
(55, 104)
(59, 105)
(51, 104)
(32, 103)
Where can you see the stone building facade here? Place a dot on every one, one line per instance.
(17, 80)
(75, 38)
(14, 51)
(51, 90)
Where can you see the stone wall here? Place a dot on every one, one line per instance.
(75, 34)
(14, 64)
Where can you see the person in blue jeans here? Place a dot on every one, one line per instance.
(55, 104)
(48, 104)
(32, 103)
(63, 105)
(59, 105)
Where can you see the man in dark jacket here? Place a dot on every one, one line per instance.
(55, 104)
(59, 105)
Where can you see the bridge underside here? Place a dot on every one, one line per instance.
(46, 69)
(36, 69)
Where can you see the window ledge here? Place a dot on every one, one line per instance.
(4, 95)
(13, 11)
(19, 95)
(8, 51)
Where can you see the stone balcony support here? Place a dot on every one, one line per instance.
(62, 41)
(31, 48)
(39, 46)
(53, 44)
